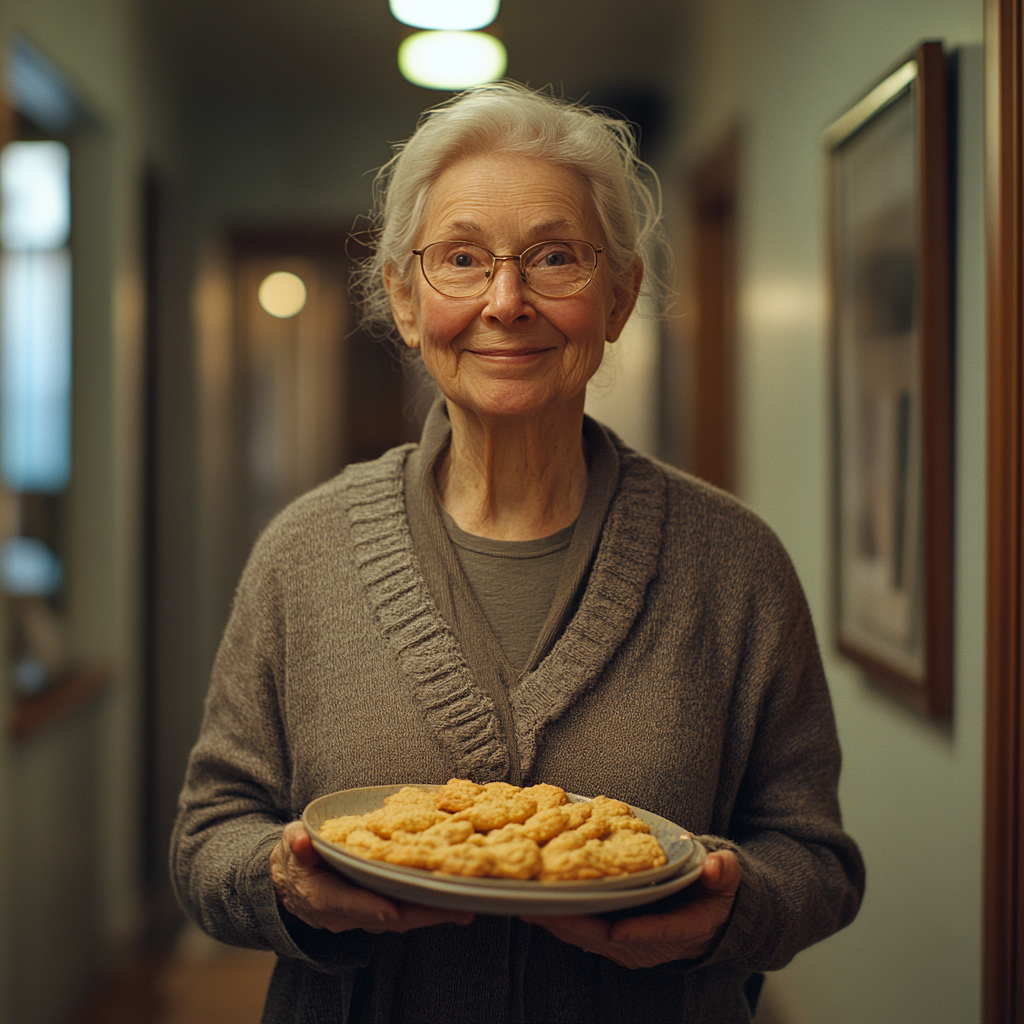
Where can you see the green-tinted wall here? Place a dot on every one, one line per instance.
(912, 792)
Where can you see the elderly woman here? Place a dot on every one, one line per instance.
(518, 597)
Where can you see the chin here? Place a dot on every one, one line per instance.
(516, 399)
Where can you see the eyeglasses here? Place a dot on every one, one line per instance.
(554, 269)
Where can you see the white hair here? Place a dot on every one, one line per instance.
(506, 117)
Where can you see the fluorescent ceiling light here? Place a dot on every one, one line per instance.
(448, 15)
(451, 60)
(282, 294)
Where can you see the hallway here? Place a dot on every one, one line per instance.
(212, 143)
(203, 982)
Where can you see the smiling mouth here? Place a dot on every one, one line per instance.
(509, 353)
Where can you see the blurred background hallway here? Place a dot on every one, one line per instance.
(199, 981)
(204, 145)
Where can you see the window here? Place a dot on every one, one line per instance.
(35, 369)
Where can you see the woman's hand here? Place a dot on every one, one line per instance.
(651, 939)
(309, 889)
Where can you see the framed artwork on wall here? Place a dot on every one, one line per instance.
(891, 291)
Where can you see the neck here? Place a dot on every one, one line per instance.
(514, 478)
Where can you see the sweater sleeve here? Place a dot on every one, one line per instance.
(803, 876)
(235, 799)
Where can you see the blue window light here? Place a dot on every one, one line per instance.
(35, 326)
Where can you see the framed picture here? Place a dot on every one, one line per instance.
(889, 219)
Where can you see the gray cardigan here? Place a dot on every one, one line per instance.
(686, 680)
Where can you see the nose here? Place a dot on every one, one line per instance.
(506, 295)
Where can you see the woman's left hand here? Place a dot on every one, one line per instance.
(651, 939)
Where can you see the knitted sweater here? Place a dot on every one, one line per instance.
(687, 681)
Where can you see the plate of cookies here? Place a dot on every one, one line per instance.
(502, 849)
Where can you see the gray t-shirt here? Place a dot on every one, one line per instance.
(514, 582)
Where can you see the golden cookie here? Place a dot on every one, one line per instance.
(505, 790)
(405, 817)
(411, 795)
(519, 858)
(507, 834)
(630, 852)
(546, 795)
(487, 814)
(336, 830)
(570, 839)
(609, 808)
(449, 831)
(457, 795)
(367, 844)
(577, 813)
(545, 824)
(465, 859)
(562, 865)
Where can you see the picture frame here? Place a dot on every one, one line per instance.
(889, 217)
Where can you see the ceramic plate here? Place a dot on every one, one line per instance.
(503, 895)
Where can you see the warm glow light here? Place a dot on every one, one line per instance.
(282, 294)
(450, 15)
(451, 60)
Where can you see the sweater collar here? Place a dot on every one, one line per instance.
(460, 712)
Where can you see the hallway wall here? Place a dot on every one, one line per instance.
(69, 883)
(911, 790)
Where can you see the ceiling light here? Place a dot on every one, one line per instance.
(282, 294)
(450, 15)
(451, 60)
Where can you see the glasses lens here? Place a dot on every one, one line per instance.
(457, 269)
(559, 268)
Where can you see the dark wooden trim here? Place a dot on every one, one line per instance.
(31, 715)
(1003, 962)
(714, 197)
(935, 214)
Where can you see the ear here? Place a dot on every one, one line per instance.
(626, 292)
(403, 306)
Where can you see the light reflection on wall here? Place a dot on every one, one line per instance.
(35, 394)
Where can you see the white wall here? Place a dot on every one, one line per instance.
(911, 791)
(622, 394)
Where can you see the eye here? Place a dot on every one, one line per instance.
(463, 256)
(551, 255)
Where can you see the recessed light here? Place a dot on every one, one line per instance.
(282, 294)
(446, 15)
(451, 60)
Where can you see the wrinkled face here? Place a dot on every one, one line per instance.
(510, 351)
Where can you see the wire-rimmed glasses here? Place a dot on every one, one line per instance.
(554, 269)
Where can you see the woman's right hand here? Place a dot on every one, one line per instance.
(309, 889)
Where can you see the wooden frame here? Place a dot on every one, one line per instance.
(892, 358)
(714, 197)
(1003, 930)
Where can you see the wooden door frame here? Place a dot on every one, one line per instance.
(713, 199)
(1003, 929)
